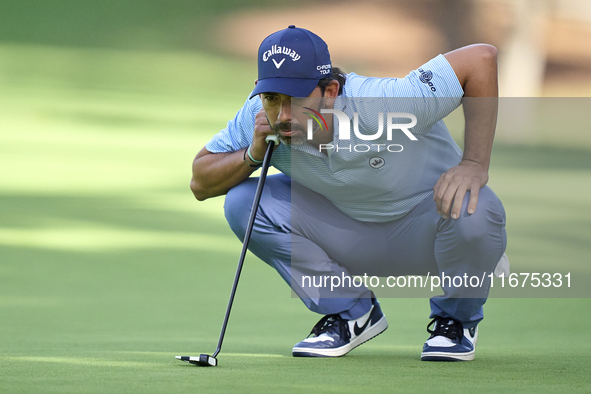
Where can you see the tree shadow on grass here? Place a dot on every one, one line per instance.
(30, 211)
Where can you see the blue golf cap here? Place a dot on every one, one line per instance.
(291, 62)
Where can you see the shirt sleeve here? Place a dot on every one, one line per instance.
(239, 131)
(431, 92)
(436, 78)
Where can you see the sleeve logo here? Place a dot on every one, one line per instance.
(426, 77)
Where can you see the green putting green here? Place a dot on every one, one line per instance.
(109, 268)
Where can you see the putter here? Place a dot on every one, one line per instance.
(205, 360)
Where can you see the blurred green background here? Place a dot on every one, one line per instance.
(109, 267)
(124, 24)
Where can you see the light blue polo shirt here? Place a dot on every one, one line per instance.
(371, 180)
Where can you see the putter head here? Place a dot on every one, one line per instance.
(204, 360)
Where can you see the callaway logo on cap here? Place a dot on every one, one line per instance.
(291, 62)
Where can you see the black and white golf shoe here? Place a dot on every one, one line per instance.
(449, 341)
(334, 336)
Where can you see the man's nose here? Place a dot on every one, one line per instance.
(285, 111)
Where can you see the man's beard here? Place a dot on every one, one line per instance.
(297, 138)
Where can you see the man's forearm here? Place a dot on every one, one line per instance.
(216, 173)
(480, 115)
(476, 69)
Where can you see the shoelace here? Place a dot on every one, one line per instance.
(332, 324)
(447, 327)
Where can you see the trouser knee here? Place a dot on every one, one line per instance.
(486, 224)
(274, 212)
(475, 242)
(238, 205)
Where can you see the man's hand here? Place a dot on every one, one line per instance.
(261, 131)
(453, 185)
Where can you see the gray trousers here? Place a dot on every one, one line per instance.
(300, 233)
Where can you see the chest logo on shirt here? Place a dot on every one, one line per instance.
(376, 162)
(426, 77)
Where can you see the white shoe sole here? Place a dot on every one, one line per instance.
(371, 333)
(443, 356)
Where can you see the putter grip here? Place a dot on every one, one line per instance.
(273, 138)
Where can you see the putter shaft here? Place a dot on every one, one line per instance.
(253, 212)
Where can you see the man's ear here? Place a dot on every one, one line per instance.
(255, 82)
(332, 89)
(331, 92)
